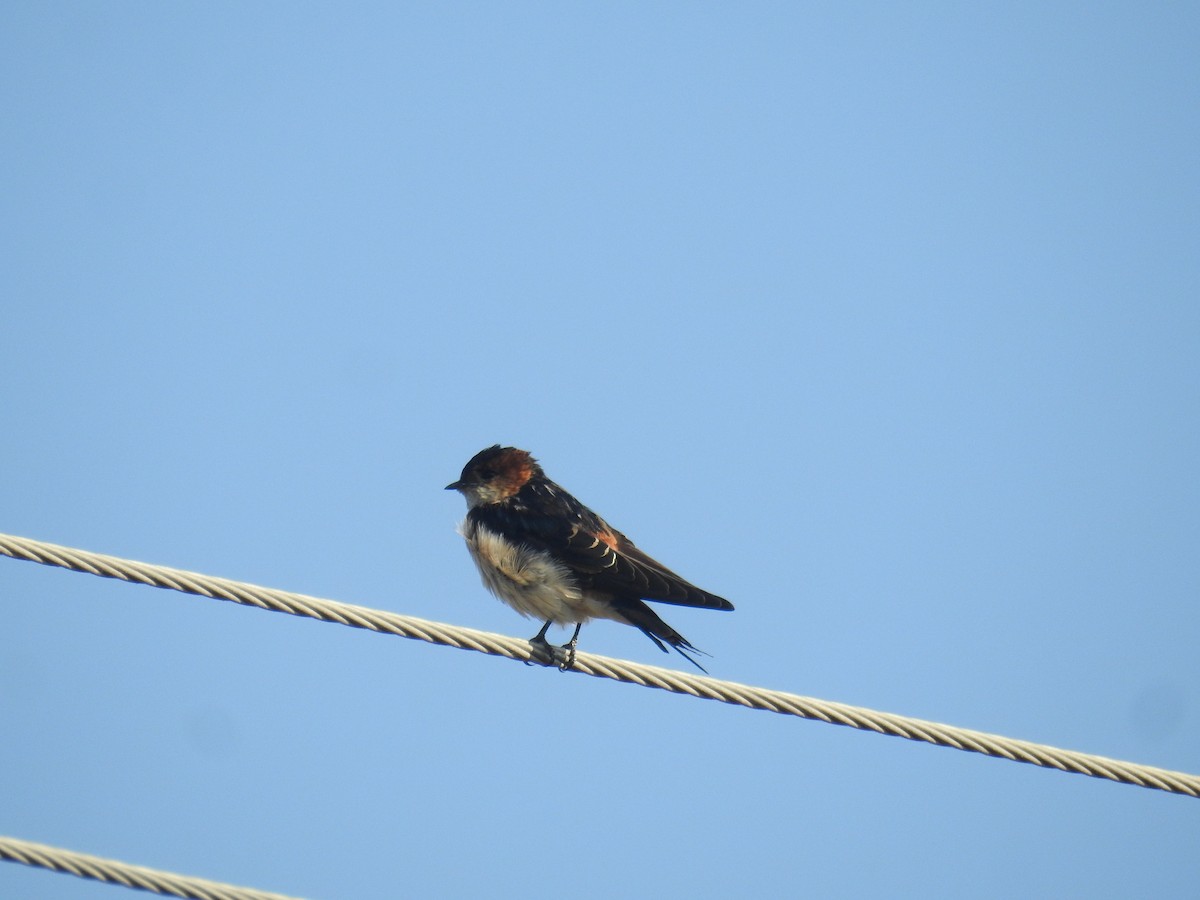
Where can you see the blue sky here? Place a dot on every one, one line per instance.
(881, 322)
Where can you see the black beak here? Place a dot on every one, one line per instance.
(454, 486)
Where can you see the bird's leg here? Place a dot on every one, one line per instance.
(549, 655)
(568, 650)
(542, 651)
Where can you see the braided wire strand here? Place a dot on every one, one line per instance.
(111, 871)
(699, 686)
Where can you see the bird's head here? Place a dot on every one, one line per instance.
(495, 474)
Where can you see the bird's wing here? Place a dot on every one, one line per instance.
(678, 590)
(603, 558)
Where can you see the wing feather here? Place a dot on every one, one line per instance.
(603, 558)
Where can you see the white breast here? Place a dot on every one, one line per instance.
(530, 581)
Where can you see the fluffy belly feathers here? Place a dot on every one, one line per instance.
(530, 581)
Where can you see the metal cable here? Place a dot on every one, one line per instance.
(604, 667)
(115, 872)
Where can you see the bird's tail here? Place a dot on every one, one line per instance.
(642, 617)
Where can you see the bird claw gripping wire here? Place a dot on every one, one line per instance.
(546, 654)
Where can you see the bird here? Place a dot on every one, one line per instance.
(549, 557)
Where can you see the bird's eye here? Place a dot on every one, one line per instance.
(486, 474)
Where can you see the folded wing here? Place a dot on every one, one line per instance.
(603, 558)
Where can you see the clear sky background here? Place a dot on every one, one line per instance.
(881, 320)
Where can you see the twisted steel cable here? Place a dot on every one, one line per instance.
(603, 667)
(113, 871)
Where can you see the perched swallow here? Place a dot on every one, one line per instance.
(549, 557)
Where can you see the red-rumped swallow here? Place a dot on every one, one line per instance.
(549, 557)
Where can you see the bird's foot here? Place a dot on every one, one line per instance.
(546, 654)
(567, 653)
